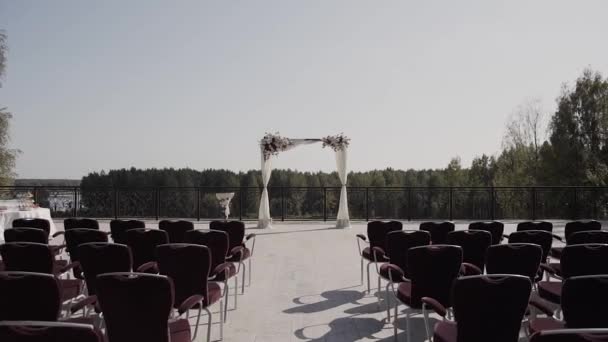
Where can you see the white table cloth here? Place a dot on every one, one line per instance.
(8, 216)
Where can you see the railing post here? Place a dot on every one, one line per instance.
(240, 203)
(282, 203)
(324, 204)
(409, 203)
(492, 203)
(198, 203)
(575, 205)
(450, 202)
(157, 202)
(36, 195)
(367, 203)
(116, 203)
(534, 204)
(75, 201)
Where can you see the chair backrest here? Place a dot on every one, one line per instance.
(474, 244)
(539, 237)
(27, 257)
(29, 296)
(136, 306)
(33, 223)
(234, 229)
(26, 235)
(75, 237)
(377, 231)
(587, 259)
(583, 299)
(188, 265)
(438, 230)
(580, 226)
(399, 242)
(118, 229)
(571, 335)
(495, 228)
(143, 244)
(432, 270)
(588, 236)
(535, 225)
(101, 257)
(39, 331)
(215, 240)
(490, 307)
(72, 223)
(514, 258)
(176, 229)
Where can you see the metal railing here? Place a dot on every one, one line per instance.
(321, 203)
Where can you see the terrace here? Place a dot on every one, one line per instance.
(306, 287)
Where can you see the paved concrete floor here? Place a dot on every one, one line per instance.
(306, 286)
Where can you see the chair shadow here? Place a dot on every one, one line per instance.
(418, 330)
(344, 329)
(332, 299)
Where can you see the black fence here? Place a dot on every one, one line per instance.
(321, 203)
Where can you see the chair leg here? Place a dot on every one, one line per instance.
(226, 292)
(249, 274)
(236, 290)
(361, 271)
(209, 322)
(425, 314)
(369, 287)
(378, 291)
(395, 322)
(388, 303)
(408, 331)
(221, 322)
(198, 319)
(243, 275)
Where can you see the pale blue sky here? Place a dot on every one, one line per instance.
(109, 84)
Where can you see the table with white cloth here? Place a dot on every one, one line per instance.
(8, 216)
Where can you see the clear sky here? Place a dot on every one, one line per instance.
(109, 84)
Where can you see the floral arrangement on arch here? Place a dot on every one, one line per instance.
(336, 142)
(272, 144)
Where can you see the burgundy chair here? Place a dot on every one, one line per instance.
(39, 258)
(237, 250)
(75, 237)
(578, 238)
(432, 270)
(535, 225)
(143, 243)
(577, 260)
(398, 243)
(73, 223)
(137, 307)
(33, 223)
(581, 302)
(118, 229)
(486, 308)
(188, 266)
(176, 230)
(571, 335)
(542, 238)
(221, 270)
(98, 258)
(474, 244)
(574, 227)
(376, 232)
(38, 331)
(28, 296)
(26, 235)
(495, 228)
(439, 230)
(514, 258)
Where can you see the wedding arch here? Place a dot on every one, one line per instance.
(272, 144)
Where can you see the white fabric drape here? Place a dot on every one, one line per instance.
(343, 220)
(264, 219)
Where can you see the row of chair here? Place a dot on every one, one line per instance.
(423, 267)
(193, 269)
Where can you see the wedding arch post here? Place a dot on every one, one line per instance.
(271, 145)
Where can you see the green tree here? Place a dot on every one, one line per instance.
(7, 155)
